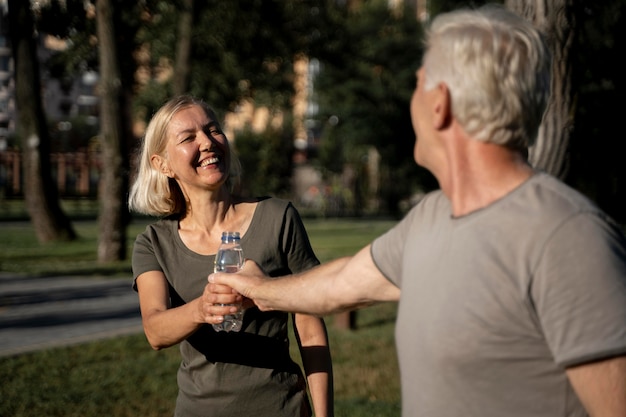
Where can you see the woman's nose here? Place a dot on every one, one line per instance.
(205, 141)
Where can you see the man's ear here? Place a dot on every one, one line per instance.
(160, 164)
(442, 109)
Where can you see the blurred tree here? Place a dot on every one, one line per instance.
(183, 48)
(363, 90)
(266, 160)
(114, 135)
(40, 195)
(69, 19)
(556, 20)
(239, 49)
(101, 37)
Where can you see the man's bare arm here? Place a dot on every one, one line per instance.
(601, 386)
(339, 285)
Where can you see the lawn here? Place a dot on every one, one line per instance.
(124, 377)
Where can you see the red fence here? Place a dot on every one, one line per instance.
(76, 173)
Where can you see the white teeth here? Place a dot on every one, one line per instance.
(209, 161)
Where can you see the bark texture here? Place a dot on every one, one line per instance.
(40, 192)
(113, 186)
(555, 18)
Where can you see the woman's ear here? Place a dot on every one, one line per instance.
(160, 164)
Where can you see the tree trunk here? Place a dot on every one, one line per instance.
(40, 193)
(114, 181)
(183, 48)
(555, 19)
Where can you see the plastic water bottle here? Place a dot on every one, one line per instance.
(229, 258)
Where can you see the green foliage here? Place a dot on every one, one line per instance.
(240, 48)
(68, 20)
(150, 98)
(266, 160)
(73, 20)
(364, 90)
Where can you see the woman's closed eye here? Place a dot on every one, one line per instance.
(188, 138)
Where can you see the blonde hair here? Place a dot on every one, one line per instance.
(497, 67)
(152, 192)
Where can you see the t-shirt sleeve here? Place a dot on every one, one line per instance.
(579, 290)
(388, 250)
(143, 257)
(296, 243)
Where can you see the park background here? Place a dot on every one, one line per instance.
(314, 96)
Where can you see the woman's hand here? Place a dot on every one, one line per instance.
(217, 301)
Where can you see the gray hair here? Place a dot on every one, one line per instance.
(497, 67)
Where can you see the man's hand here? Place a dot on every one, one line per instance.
(243, 282)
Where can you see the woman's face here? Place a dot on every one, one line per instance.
(197, 152)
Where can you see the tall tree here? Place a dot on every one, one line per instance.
(183, 48)
(556, 20)
(113, 185)
(40, 195)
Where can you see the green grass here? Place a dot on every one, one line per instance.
(124, 377)
(21, 253)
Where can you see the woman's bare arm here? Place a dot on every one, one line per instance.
(165, 326)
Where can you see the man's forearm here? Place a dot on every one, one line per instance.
(343, 284)
(311, 292)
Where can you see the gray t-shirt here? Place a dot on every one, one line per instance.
(496, 304)
(249, 373)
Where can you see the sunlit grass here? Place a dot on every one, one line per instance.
(123, 377)
(21, 253)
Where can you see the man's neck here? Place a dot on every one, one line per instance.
(484, 174)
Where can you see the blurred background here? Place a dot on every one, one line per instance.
(313, 94)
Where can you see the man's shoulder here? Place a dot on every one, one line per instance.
(434, 200)
(548, 191)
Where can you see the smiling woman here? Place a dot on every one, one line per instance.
(196, 151)
(180, 124)
(186, 176)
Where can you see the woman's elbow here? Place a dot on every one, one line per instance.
(155, 342)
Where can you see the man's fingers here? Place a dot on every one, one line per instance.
(220, 288)
(222, 298)
(252, 268)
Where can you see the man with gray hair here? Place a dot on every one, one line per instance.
(511, 285)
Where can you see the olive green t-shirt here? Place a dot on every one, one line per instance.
(249, 373)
